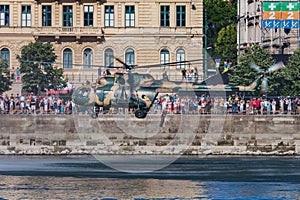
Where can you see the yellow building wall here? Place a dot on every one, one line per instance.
(147, 38)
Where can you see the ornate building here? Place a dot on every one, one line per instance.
(87, 33)
(252, 30)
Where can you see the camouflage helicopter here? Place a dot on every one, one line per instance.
(131, 90)
(138, 91)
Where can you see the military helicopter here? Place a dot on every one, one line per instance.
(138, 91)
(131, 90)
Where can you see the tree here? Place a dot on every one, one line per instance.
(37, 60)
(243, 74)
(292, 74)
(5, 82)
(226, 43)
(220, 14)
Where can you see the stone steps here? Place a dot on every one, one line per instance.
(16, 88)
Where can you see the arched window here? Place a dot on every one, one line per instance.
(5, 55)
(87, 58)
(180, 56)
(164, 58)
(68, 59)
(129, 57)
(109, 57)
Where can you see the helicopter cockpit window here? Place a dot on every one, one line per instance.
(105, 94)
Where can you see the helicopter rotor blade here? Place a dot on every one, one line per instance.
(120, 61)
(275, 67)
(126, 66)
(255, 67)
(113, 67)
(264, 86)
(187, 62)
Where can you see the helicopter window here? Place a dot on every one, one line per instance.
(180, 56)
(109, 57)
(105, 94)
(129, 56)
(164, 58)
(88, 58)
(67, 62)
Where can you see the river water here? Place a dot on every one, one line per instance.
(84, 177)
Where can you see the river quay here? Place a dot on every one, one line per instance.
(156, 134)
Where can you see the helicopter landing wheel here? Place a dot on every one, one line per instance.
(94, 115)
(140, 114)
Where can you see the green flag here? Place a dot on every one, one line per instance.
(290, 6)
(271, 6)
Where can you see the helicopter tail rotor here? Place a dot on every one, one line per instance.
(265, 73)
(255, 67)
(275, 67)
(264, 86)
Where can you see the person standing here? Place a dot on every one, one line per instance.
(12, 74)
(273, 106)
(281, 101)
(18, 73)
(165, 76)
(195, 75)
(268, 107)
(183, 73)
(99, 72)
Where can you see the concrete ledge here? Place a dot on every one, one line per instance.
(180, 134)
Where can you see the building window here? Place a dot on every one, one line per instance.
(129, 57)
(4, 15)
(180, 56)
(26, 15)
(164, 58)
(180, 15)
(87, 58)
(129, 16)
(46, 16)
(67, 16)
(109, 16)
(88, 15)
(109, 58)
(68, 60)
(165, 16)
(5, 55)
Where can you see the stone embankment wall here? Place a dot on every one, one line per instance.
(172, 134)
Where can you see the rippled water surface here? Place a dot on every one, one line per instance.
(83, 177)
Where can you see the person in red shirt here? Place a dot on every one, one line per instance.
(257, 105)
(252, 106)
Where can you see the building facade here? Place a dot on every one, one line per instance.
(251, 30)
(87, 33)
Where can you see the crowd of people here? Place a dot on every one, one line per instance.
(169, 103)
(233, 104)
(30, 104)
